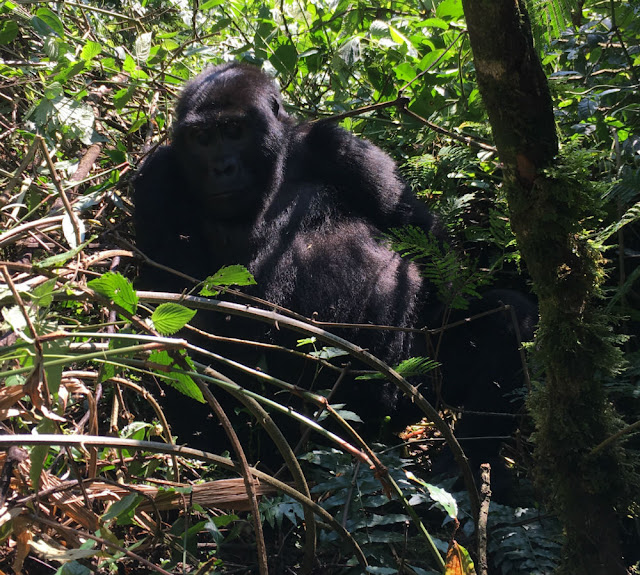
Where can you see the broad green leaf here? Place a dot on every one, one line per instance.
(123, 510)
(122, 96)
(434, 23)
(210, 4)
(129, 64)
(328, 353)
(180, 381)
(75, 568)
(451, 9)
(8, 31)
(439, 495)
(227, 276)
(168, 318)
(51, 20)
(90, 50)
(53, 91)
(118, 289)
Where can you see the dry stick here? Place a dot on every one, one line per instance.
(49, 224)
(265, 420)
(38, 371)
(4, 197)
(249, 481)
(306, 327)
(61, 192)
(155, 447)
(485, 500)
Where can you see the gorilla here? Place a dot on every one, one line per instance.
(304, 206)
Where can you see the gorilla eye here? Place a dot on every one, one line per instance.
(233, 129)
(200, 136)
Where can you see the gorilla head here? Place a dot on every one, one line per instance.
(230, 138)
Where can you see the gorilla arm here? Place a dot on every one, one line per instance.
(365, 176)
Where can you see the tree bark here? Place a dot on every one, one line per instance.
(547, 203)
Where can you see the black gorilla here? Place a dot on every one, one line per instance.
(304, 207)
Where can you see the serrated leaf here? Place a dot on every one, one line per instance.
(122, 96)
(168, 318)
(226, 276)
(180, 381)
(118, 289)
(90, 50)
(53, 91)
(129, 64)
(328, 352)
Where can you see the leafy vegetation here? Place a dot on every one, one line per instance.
(86, 92)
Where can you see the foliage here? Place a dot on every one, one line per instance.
(87, 90)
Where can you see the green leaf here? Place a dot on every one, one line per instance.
(90, 50)
(328, 353)
(168, 318)
(53, 91)
(43, 294)
(59, 259)
(226, 276)
(73, 568)
(450, 9)
(129, 64)
(8, 31)
(118, 289)
(285, 57)
(122, 96)
(180, 381)
(210, 4)
(124, 509)
(439, 495)
(51, 20)
(54, 373)
(434, 23)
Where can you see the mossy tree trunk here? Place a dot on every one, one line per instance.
(548, 205)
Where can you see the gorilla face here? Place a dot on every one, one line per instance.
(231, 136)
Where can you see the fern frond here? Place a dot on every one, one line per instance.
(630, 216)
(407, 368)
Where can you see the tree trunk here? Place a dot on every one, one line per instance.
(547, 203)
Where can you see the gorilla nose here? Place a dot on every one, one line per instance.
(225, 169)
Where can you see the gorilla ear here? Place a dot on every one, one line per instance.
(276, 108)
